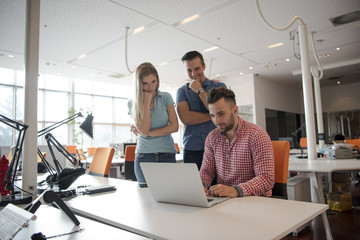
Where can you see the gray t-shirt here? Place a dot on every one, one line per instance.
(159, 119)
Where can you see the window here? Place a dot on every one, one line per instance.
(108, 102)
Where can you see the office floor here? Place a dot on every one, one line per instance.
(344, 225)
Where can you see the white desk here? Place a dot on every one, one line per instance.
(321, 166)
(51, 221)
(132, 208)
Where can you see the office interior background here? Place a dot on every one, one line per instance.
(88, 48)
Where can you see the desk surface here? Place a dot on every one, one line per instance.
(132, 208)
(51, 221)
(323, 165)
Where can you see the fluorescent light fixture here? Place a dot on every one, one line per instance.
(81, 56)
(275, 45)
(139, 29)
(163, 63)
(189, 19)
(210, 49)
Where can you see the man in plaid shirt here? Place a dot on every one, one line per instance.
(238, 154)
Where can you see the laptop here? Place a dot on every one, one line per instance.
(177, 183)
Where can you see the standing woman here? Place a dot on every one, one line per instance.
(154, 117)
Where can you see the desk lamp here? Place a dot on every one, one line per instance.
(64, 177)
(11, 172)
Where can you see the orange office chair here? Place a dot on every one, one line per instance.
(71, 149)
(80, 154)
(91, 151)
(354, 142)
(281, 159)
(100, 165)
(129, 162)
(303, 142)
(177, 148)
(38, 159)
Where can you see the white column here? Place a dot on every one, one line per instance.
(29, 171)
(308, 92)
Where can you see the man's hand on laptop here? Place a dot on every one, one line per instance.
(221, 190)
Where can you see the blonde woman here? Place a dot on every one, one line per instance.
(154, 118)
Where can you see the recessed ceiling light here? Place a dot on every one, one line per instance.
(58, 74)
(275, 45)
(73, 67)
(218, 75)
(163, 63)
(210, 49)
(324, 55)
(338, 82)
(139, 29)
(251, 68)
(81, 56)
(189, 19)
(337, 49)
(10, 56)
(288, 60)
(241, 73)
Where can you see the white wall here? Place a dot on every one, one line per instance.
(341, 98)
(261, 93)
(273, 95)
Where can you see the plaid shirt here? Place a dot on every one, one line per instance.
(248, 162)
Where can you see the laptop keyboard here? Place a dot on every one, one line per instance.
(210, 199)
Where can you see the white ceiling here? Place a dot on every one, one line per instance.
(96, 28)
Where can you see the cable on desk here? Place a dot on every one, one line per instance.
(40, 236)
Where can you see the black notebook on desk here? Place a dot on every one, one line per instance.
(100, 189)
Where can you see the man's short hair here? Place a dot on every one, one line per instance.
(216, 94)
(191, 55)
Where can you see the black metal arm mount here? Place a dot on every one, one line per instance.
(50, 197)
(52, 142)
(11, 173)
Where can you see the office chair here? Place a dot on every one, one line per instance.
(177, 148)
(80, 154)
(71, 149)
(354, 142)
(303, 142)
(100, 165)
(91, 151)
(281, 159)
(129, 162)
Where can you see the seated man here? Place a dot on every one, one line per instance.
(238, 154)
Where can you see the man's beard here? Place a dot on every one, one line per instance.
(228, 126)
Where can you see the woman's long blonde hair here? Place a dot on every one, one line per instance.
(141, 71)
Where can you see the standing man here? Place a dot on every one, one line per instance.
(238, 154)
(193, 109)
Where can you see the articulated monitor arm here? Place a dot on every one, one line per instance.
(49, 197)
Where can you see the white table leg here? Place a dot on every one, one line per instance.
(320, 193)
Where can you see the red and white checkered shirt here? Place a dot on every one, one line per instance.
(248, 162)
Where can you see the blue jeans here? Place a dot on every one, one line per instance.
(193, 157)
(150, 157)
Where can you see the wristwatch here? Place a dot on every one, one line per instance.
(200, 91)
